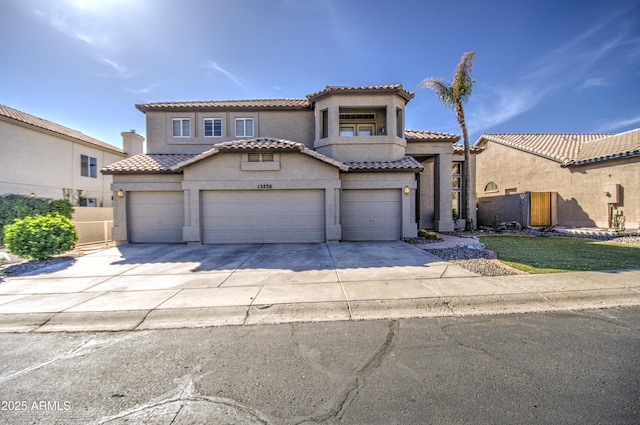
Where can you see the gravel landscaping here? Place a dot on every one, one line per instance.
(474, 260)
(627, 240)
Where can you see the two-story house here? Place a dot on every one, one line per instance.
(336, 165)
(48, 160)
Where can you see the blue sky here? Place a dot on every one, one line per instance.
(540, 66)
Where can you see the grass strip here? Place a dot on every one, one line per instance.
(535, 254)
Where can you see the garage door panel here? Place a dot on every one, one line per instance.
(155, 217)
(274, 216)
(371, 214)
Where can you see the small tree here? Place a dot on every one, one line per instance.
(41, 236)
(453, 96)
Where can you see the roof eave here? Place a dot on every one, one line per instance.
(623, 155)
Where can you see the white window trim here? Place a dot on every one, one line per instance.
(181, 136)
(213, 126)
(244, 127)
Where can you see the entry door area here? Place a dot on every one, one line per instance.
(155, 217)
(371, 214)
(540, 208)
(263, 216)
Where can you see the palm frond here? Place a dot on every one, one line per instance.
(441, 88)
(462, 83)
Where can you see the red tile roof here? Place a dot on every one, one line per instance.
(622, 145)
(458, 149)
(147, 164)
(407, 163)
(248, 104)
(390, 88)
(11, 114)
(175, 163)
(429, 136)
(260, 144)
(562, 148)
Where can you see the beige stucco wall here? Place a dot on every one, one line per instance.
(381, 147)
(37, 162)
(296, 171)
(296, 126)
(581, 199)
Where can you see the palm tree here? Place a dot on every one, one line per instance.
(453, 96)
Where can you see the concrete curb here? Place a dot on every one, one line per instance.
(441, 306)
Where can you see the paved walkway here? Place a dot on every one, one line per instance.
(134, 287)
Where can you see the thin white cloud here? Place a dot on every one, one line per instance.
(143, 90)
(559, 69)
(622, 123)
(114, 68)
(595, 82)
(239, 81)
(80, 22)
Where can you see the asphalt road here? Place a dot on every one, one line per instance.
(550, 368)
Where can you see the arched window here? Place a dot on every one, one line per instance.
(491, 187)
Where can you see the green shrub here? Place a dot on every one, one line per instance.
(41, 236)
(20, 206)
(428, 235)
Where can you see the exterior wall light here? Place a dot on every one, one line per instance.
(121, 193)
(407, 190)
(31, 195)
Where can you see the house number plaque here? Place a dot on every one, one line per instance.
(265, 186)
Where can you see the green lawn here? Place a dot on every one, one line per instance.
(557, 255)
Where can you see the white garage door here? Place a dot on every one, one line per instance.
(371, 215)
(155, 217)
(269, 216)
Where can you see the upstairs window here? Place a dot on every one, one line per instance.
(357, 129)
(181, 127)
(325, 124)
(244, 127)
(362, 121)
(88, 166)
(213, 127)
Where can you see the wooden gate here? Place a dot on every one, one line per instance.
(540, 208)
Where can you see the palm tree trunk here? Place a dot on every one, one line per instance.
(466, 204)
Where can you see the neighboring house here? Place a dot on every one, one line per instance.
(336, 165)
(44, 159)
(590, 177)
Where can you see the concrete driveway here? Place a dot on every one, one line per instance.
(167, 286)
(217, 283)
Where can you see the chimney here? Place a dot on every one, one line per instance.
(132, 143)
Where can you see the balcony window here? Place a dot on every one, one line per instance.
(363, 121)
(357, 129)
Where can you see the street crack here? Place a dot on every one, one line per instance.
(351, 392)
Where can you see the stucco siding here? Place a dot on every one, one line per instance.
(43, 164)
(581, 199)
(296, 126)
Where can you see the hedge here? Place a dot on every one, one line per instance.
(20, 206)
